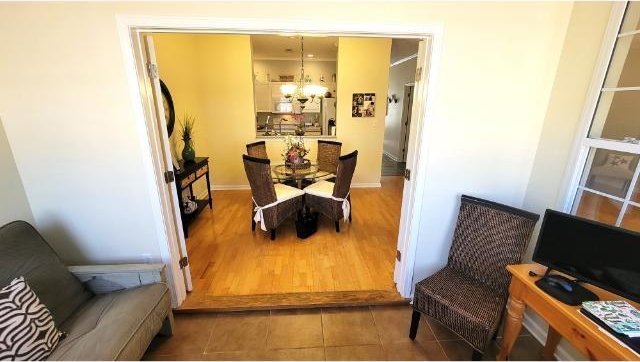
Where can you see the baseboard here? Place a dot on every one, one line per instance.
(539, 332)
(230, 187)
(392, 157)
(366, 185)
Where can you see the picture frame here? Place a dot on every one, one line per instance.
(363, 105)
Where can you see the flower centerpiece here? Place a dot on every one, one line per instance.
(294, 152)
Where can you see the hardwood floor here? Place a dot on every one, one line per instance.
(228, 259)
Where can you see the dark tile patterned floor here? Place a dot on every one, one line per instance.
(391, 167)
(355, 333)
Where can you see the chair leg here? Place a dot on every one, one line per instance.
(351, 211)
(253, 225)
(337, 226)
(415, 321)
(273, 234)
(477, 355)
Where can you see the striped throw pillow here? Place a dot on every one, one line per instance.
(27, 331)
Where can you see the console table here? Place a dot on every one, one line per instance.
(189, 173)
(564, 320)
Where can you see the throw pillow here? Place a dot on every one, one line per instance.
(27, 331)
(618, 160)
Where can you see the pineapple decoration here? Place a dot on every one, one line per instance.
(186, 126)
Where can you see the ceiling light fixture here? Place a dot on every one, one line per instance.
(303, 91)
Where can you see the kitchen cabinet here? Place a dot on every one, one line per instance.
(263, 97)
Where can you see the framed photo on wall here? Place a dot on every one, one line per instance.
(363, 105)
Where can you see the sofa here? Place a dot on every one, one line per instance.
(108, 312)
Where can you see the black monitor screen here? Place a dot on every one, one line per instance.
(603, 255)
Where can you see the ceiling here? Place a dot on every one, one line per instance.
(402, 48)
(275, 47)
(322, 47)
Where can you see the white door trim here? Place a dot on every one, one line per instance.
(131, 27)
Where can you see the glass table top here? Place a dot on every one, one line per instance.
(282, 171)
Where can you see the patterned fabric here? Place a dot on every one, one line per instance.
(469, 294)
(27, 331)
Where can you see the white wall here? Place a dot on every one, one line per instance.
(13, 200)
(399, 76)
(562, 122)
(488, 115)
(62, 74)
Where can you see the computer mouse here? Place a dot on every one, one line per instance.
(559, 283)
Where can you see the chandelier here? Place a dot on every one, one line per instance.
(301, 92)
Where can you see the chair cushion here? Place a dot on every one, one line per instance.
(27, 331)
(115, 326)
(320, 188)
(23, 252)
(284, 192)
(463, 304)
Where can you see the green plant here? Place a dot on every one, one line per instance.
(186, 127)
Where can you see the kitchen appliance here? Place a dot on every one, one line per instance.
(328, 112)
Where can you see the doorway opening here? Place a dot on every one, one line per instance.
(288, 267)
(402, 73)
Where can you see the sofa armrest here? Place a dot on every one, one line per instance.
(102, 279)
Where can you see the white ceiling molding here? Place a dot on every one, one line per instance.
(400, 61)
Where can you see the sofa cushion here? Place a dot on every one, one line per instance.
(23, 252)
(115, 326)
(27, 331)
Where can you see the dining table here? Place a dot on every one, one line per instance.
(282, 172)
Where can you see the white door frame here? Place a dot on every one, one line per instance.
(130, 29)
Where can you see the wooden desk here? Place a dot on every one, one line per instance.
(564, 320)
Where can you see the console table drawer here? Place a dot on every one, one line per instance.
(187, 180)
(202, 170)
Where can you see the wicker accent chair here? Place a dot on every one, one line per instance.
(272, 203)
(333, 200)
(257, 149)
(469, 294)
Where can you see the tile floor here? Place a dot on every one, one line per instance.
(355, 333)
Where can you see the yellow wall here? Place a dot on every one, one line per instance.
(177, 58)
(210, 78)
(218, 91)
(363, 67)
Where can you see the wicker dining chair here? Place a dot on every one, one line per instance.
(469, 294)
(333, 200)
(328, 157)
(257, 149)
(272, 203)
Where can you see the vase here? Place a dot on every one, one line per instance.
(188, 153)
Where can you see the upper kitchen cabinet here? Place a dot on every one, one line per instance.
(294, 84)
(263, 97)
